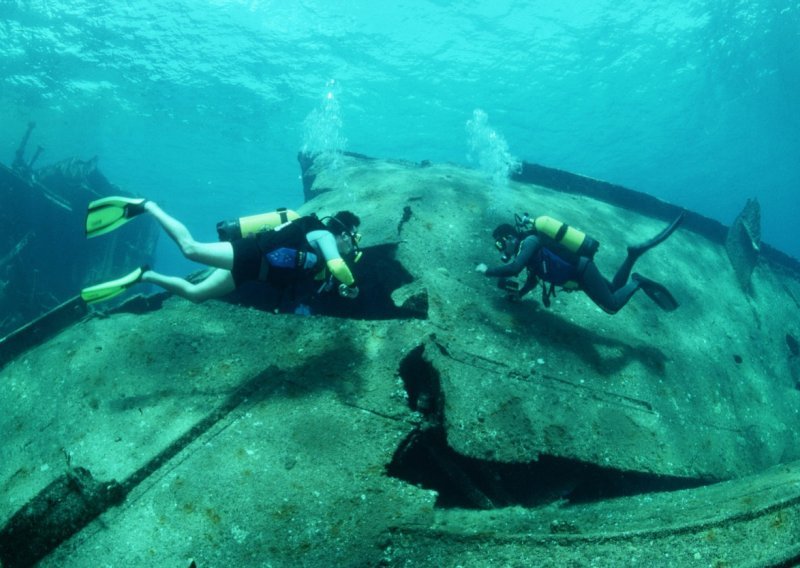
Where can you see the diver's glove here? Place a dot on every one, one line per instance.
(350, 292)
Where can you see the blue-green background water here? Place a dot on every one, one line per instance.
(203, 105)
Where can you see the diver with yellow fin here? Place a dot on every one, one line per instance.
(256, 249)
(556, 254)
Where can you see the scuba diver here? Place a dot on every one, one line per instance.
(278, 254)
(559, 255)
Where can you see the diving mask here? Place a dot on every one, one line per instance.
(355, 238)
(506, 246)
(353, 235)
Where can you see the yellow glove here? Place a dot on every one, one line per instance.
(341, 271)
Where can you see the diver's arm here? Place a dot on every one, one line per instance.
(325, 243)
(528, 247)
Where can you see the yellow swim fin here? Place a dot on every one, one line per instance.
(106, 214)
(107, 290)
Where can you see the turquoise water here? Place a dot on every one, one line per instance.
(203, 105)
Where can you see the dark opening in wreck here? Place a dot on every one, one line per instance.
(425, 459)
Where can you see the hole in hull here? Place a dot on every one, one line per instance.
(424, 459)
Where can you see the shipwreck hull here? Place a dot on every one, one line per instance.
(45, 258)
(430, 421)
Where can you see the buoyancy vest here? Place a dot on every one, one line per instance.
(550, 267)
(563, 255)
(285, 252)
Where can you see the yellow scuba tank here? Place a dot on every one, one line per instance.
(571, 239)
(253, 224)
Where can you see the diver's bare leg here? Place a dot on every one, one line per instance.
(218, 283)
(218, 255)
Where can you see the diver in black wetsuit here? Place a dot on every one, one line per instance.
(549, 262)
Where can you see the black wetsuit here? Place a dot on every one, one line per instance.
(546, 265)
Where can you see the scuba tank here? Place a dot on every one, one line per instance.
(571, 239)
(234, 229)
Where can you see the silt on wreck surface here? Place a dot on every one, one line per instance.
(431, 421)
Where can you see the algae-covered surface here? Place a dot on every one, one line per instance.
(439, 424)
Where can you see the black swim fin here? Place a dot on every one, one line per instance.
(106, 214)
(656, 292)
(639, 250)
(108, 290)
